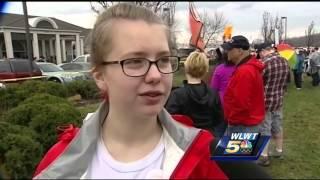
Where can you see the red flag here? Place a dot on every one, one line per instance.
(195, 27)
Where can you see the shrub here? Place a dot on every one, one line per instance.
(15, 94)
(46, 99)
(49, 87)
(19, 151)
(8, 128)
(31, 107)
(9, 98)
(43, 113)
(21, 156)
(87, 89)
(46, 123)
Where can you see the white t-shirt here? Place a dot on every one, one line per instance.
(103, 166)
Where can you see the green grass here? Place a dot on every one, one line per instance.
(301, 125)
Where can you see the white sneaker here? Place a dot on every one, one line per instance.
(298, 89)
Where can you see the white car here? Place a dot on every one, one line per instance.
(57, 74)
(83, 58)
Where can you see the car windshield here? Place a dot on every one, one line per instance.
(50, 68)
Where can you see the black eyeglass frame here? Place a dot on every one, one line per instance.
(121, 62)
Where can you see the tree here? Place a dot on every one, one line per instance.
(213, 24)
(269, 24)
(278, 25)
(310, 34)
(156, 6)
(164, 9)
(265, 29)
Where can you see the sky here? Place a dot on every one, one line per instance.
(245, 17)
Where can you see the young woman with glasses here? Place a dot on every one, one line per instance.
(131, 135)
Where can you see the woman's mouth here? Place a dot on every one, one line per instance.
(152, 97)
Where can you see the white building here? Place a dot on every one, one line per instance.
(53, 39)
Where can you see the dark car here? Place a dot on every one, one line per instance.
(18, 69)
(184, 52)
(82, 67)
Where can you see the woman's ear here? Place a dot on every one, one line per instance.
(99, 77)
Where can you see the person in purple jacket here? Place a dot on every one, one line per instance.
(219, 82)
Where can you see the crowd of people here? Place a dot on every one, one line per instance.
(133, 134)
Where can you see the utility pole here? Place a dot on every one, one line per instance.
(285, 35)
(26, 22)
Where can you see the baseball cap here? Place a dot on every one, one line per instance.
(260, 47)
(236, 42)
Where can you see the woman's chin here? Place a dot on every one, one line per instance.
(151, 111)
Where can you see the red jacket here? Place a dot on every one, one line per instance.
(244, 96)
(192, 165)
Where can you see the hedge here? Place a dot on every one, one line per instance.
(19, 151)
(43, 113)
(15, 94)
(87, 89)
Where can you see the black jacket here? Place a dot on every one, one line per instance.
(199, 102)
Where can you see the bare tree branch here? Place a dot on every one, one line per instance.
(269, 24)
(157, 7)
(265, 28)
(310, 34)
(94, 9)
(212, 25)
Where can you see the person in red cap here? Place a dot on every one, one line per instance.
(244, 97)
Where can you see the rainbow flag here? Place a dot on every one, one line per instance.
(288, 52)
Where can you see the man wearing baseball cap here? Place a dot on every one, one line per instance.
(275, 76)
(244, 97)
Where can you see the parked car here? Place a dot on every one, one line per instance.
(82, 58)
(184, 52)
(12, 70)
(57, 74)
(82, 67)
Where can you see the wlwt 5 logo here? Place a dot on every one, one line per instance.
(240, 146)
(241, 143)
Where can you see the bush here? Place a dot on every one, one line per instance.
(32, 87)
(45, 98)
(87, 89)
(43, 113)
(8, 128)
(14, 94)
(22, 155)
(31, 107)
(19, 152)
(9, 98)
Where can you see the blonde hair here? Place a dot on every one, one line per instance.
(101, 35)
(197, 64)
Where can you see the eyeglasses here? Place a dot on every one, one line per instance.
(136, 67)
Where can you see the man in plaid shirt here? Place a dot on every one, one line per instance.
(275, 77)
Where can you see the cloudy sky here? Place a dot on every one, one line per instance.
(245, 17)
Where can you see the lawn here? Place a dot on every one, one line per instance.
(301, 125)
